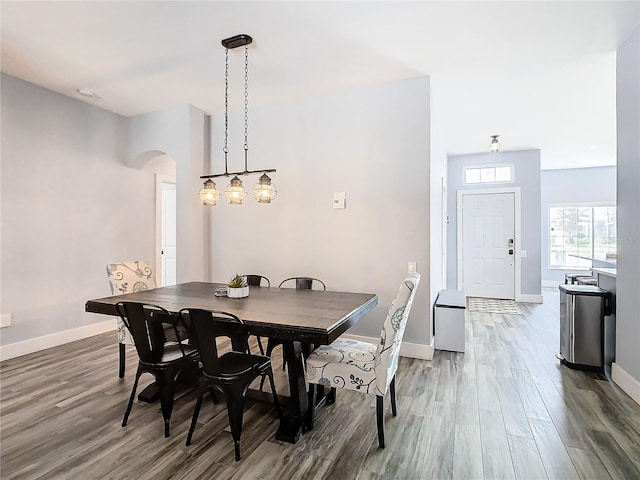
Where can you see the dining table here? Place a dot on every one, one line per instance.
(299, 319)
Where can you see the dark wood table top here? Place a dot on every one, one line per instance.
(311, 316)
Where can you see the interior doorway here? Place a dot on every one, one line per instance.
(487, 261)
(166, 251)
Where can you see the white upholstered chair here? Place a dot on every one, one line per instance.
(128, 277)
(364, 367)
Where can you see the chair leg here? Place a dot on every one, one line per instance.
(276, 402)
(122, 357)
(270, 346)
(166, 387)
(313, 389)
(260, 347)
(331, 396)
(214, 398)
(235, 405)
(131, 398)
(392, 388)
(380, 418)
(194, 418)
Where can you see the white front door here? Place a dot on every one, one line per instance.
(168, 234)
(488, 245)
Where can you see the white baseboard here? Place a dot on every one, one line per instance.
(528, 298)
(13, 350)
(411, 350)
(33, 345)
(552, 283)
(626, 382)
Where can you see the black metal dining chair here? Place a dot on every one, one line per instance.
(230, 373)
(164, 359)
(301, 283)
(128, 277)
(257, 281)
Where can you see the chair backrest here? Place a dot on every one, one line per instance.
(256, 280)
(304, 283)
(386, 362)
(128, 277)
(205, 326)
(148, 324)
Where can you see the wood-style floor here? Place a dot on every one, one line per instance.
(503, 409)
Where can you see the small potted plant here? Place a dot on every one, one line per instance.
(237, 287)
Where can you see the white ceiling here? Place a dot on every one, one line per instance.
(540, 74)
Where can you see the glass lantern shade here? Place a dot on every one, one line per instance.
(208, 194)
(264, 191)
(235, 191)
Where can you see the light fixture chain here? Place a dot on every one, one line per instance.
(226, 107)
(246, 97)
(226, 98)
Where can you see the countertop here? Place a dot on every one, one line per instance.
(596, 258)
(609, 271)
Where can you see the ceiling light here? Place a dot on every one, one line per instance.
(264, 191)
(86, 93)
(494, 146)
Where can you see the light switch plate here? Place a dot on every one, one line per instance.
(340, 200)
(5, 320)
(413, 267)
(523, 254)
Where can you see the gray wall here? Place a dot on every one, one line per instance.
(575, 185)
(527, 177)
(69, 206)
(183, 133)
(372, 144)
(71, 201)
(628, 125)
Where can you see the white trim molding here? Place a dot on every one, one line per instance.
(410, 350)
(626, 382)
(37, 344)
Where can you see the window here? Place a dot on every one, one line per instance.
(580, 231)
(488, 174)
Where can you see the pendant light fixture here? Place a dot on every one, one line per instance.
(208, 193)
(264, 191)
(494, 146)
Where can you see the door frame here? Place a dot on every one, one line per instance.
(159, 180)
(517, 225)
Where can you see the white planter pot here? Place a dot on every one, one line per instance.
(238, 292)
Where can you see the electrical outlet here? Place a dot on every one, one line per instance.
(340, 200)
(5, 320)
(413, 267)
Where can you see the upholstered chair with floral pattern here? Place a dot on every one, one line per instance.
(364, 367)
(128, 277)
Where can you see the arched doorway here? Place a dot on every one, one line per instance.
(163, 167)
